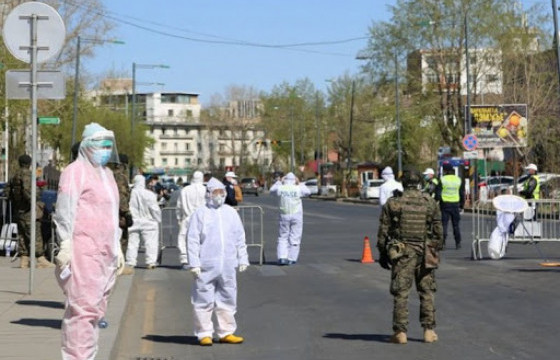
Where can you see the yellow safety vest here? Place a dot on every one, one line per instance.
(450, 185)
(537, 191)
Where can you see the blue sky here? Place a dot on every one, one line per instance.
(208, 68)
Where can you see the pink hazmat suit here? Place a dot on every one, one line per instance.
(87, 227)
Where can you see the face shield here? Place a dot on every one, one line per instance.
(100, 148)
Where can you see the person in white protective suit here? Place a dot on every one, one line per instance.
(191, 198)
(388, 188)
(290, 225)
(146, 217)
(216, 247)
(87, 225)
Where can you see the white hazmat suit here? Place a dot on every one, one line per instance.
(290, 224)
(191, 198)
(87, 225)
(389, 186)
(146, 217)
(216, 246)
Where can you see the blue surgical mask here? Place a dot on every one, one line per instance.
(102, 156)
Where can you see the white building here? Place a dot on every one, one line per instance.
(182, 142)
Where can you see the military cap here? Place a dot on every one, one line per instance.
(24, 159)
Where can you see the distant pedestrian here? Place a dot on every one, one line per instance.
(216, 247)
(146, 218)
(409, 239)
(451, 195)
(290, 225)
(430, 182)
(191, 197)
(388, 188)
(19, 194)
(230, 190)
(532, 189)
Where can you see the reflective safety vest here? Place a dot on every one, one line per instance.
(537, 191)
(450, 185)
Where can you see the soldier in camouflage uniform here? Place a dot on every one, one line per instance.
(120, 171)
(19, 193)
(410, 236)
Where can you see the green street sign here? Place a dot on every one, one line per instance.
(49, 120)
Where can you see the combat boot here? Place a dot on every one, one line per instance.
(430, 336)
(24, 262)
(399, 337)
(43, 263)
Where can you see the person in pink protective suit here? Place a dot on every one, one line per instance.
(87, 225)
(216, 246)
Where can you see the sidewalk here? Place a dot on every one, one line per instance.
(30, 324)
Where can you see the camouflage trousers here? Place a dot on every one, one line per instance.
(408, 269)
(124, 240)
(24, 234)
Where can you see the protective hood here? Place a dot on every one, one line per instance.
(197, 178)
(214, 184)
(387, 174)
(98, 146)
(139, 182)
(289, 179)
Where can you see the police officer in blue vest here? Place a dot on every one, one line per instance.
(450, 193)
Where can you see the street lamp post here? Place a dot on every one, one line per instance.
(293, 152)
(77, 78)
(556, 37)
(134, 67)
(397, 115)
(467, 67)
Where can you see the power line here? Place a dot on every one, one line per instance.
(223, 41)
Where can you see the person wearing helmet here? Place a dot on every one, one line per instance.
(19, 194)
(531, 187)
(430, 182)
(216, 247)
(409, 238)
(389, 187)
(87, 225)
(450, 193)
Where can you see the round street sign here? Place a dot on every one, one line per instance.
(50, 31)
(470, 142)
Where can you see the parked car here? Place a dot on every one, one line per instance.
(498, 185)
(249, 186)
(312, 186)
(370, 189)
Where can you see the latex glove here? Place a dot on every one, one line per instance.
(64, 254)
(120, 261)
(242, 268)
(384, 261)
(195, 271)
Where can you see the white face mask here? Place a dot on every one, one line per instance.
(218, 200)
(101, 157)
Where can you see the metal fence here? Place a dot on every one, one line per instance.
(540, 225)
(251, 216)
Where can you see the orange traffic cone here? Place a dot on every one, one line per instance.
(366, 254)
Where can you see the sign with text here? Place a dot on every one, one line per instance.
(500, 125)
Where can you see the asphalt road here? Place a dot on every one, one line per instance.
(331, 306)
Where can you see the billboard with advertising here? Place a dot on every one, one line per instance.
(500, 125)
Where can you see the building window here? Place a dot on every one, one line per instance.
(162, 131)
(189, 113)
(199, 161)
(266, 162)
(187, 161)
(164, 161)
(222, 148)
(222, 162)
(169, 112)
(176, 131)
(187, 146)
(244, 147)
(176, 161)
(492, 78)
(432, 78)
(175, 146)
(152, 161)
(163, 146)
(152, 146)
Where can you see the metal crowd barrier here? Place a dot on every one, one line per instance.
(251, 216)
(543, 226)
